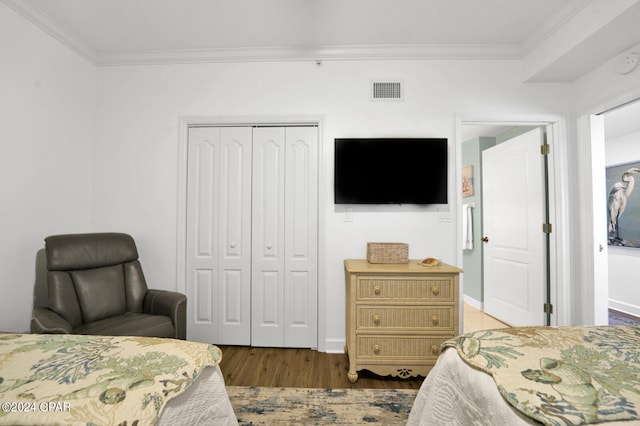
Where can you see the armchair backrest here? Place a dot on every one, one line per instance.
(93, 276)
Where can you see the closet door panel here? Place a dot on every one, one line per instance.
(202, 226)
(204, 287)
(268, 237)
(301, 239)
(270, 304)
(235, 236)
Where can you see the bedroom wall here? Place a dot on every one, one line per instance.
(47, 104)
(624, 262)
(136, 154)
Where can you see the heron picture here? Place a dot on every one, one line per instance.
(623, 205)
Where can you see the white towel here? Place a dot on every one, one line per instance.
(467, 226)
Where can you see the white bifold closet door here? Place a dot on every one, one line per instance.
(252, 235)
(284, 237)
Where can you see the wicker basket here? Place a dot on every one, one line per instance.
(388, 253)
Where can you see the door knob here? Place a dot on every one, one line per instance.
(485, 239)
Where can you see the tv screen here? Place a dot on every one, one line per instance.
(390, 171)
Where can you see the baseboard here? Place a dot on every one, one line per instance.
(334, 346)
(473, 302)
(625, 308)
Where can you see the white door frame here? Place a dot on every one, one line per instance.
(181, 215)
(558, 203)
(594, 297)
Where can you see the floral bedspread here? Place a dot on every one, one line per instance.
(563, 375)
(95, 380)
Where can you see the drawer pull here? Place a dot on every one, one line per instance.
(376, 349)
(435, 320)
(434, 349)
(435, 290)
(376, 319)
(376, 290)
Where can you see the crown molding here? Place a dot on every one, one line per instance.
(41, 20)
(324, 53)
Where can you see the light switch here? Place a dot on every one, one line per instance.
(444, 215)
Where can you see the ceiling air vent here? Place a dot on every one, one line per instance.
(387, 91)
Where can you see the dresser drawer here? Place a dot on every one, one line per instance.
(377, 346)
(423, 318)
(427, 288)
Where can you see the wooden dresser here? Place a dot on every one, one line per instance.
(398, 315)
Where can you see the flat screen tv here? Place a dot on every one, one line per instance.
(390, 171)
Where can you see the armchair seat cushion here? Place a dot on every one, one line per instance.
(130, 324)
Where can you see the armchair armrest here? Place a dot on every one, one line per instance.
(44, 320)
(171, 304)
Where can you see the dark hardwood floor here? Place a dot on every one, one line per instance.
(304, 368)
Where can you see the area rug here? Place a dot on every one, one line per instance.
(307, 406)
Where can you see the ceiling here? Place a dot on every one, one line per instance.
(115, 32)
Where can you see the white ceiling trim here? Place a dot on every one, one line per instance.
(326, 53)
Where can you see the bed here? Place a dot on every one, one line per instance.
(110, 380)
(533, 375)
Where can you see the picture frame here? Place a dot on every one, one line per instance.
(467, 181)
(623, 204)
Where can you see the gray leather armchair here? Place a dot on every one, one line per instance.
(95, 285)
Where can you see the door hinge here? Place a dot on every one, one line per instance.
(547, 228)
(545, 149)
(548, 307)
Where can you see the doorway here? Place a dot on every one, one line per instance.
(622, 154)
(594, 297)
(484, 135)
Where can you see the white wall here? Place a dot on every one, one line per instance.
(47, 104)
(136, 155)
(624, 262)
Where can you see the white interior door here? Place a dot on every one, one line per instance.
(513, 216)
(218, 242)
